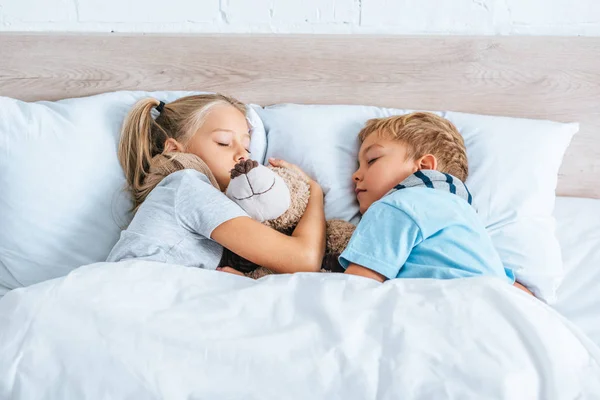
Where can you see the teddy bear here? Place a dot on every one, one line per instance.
(278, 197)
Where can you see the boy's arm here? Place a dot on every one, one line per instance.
(523, 288)
(381, 243)
(354, 269)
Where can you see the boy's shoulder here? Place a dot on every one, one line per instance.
(429, 206)
(421, 197)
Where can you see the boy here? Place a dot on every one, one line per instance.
(418, 219)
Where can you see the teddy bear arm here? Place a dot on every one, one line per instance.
(230, 259)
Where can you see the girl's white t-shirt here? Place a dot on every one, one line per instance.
(174, 223)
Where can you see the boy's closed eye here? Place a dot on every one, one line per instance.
(374, 152)
(374, 155)
(372, 160)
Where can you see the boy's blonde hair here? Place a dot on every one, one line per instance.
(143, 138)
(424, 133)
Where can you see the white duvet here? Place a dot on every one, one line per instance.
(142, 330)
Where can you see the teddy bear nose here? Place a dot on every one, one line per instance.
(243, 167)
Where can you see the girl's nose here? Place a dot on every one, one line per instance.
(241, 155)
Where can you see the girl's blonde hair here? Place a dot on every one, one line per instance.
(143, 139)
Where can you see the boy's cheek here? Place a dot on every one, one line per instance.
(378, 192)
(364, 203)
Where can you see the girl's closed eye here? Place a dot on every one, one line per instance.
(223, 139)
(372, 160)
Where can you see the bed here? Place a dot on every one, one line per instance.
(148, 330)
(578, 233)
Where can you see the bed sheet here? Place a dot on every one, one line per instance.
(139, 329)
(143, 330)
(578, 231)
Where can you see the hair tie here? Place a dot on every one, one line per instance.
(160, 107)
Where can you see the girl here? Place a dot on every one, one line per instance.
(181, 215)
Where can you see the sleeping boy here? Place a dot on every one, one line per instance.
(418, 219)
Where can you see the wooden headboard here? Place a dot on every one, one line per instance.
(537, 77)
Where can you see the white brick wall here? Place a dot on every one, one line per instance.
(477, 17)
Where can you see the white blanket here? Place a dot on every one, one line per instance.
(142, 330)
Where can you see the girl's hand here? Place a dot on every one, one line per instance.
(230, 270)
(284, 164)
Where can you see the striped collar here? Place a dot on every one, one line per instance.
(436, 180)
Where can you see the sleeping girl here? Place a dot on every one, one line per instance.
(181, 215)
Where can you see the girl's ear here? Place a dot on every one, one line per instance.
(173, 146)
(428, 161)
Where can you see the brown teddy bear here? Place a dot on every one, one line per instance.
(278, 197)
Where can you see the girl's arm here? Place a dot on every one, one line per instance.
(301, 252)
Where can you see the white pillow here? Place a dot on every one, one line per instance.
(513, 166)
(62, 203)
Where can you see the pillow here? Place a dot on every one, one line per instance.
(513, 166)
(61, 186)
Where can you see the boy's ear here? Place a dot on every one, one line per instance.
(173, 146)
(428, 161)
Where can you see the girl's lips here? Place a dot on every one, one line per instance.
(359, 191)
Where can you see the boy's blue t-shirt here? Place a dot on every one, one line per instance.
(420, 232)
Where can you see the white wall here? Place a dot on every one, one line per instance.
(488, 17)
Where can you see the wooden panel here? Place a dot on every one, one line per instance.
(537, 77)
